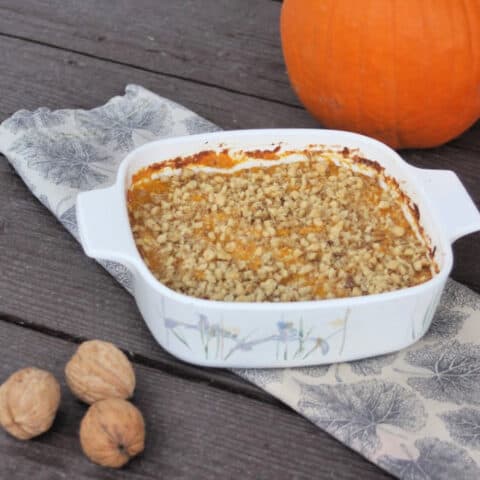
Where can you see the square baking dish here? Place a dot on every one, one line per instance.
(281, 334)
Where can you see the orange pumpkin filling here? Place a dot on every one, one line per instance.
(306, 230)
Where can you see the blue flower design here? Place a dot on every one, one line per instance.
(170, 323)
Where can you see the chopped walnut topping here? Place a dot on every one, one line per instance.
(299, 231)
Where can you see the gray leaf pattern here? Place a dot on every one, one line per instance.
(21, 120)
(446, 323)
(69, 220)
(437, 460)
(121, 273)
(372, 366)
(195, 124)
(63, 159)
(262, 376)
(40, 118)
(354, 412)
(450, 372)
(116, 123)
(454, 297)
(314, 372)
(464, 426)
(44, 200)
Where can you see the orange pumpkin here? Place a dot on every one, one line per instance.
(406, 72)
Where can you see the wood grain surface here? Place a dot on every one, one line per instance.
(234, 45)
(193, 430)
(221, 58)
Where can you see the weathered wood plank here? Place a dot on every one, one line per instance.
(193, 431)
(235, 45)
(41, 246)
(469, 141)
(235, 448)
(47, 248)
(49, 77)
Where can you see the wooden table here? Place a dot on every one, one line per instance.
(221, 58)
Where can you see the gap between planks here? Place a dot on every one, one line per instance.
(230, 45)
(193, 431)
(149, 70)
(233, 44)
(455, 144)
(178, 369)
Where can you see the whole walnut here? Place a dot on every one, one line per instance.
(29, 401)
(99, 370)
(112, 432)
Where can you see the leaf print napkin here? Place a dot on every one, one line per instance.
(415, 413)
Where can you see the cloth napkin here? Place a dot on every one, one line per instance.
(415, 413)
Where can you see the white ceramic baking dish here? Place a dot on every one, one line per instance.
(229, 334)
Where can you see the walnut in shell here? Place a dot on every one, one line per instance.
(99, 370)
(29, 401)
(112, 432)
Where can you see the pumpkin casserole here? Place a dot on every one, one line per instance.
(304, 225)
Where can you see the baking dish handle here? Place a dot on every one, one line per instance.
(104, 230)
(455, 208)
